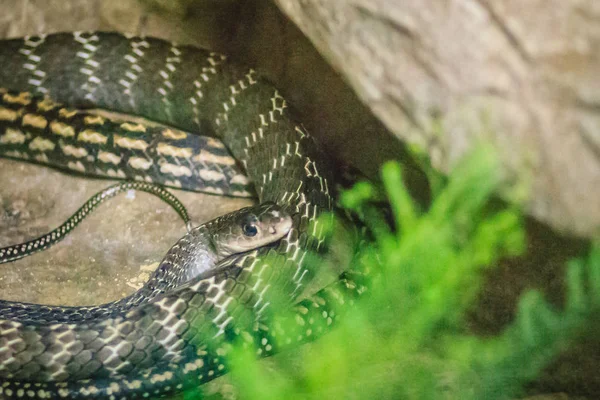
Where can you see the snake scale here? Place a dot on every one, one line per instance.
(181, 338)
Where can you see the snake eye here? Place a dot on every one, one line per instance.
(249, 230)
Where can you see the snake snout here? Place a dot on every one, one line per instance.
(279, 224)
(285, 224)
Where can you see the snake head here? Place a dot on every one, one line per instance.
(253, 227)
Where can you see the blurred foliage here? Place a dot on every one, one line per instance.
(405, 337)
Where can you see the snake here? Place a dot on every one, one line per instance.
(17, 251)
(181, 338)
(37, 130)
(195, 254)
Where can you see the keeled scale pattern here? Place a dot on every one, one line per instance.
(180, 339)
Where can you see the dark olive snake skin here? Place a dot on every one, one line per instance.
(181, 338)
(18, 251)
(42, 131)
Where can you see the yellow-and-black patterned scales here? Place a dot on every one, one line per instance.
(42, 131)
(179, 339)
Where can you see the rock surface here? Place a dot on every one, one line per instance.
(522, 75)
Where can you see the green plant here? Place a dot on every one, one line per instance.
(406, 338)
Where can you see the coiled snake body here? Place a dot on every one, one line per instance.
(181, 338)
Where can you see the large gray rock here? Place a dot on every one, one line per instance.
(446, 74)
